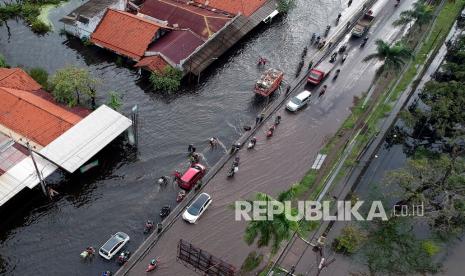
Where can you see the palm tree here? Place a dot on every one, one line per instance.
(273, 231)
(421, 13)
(393, 56)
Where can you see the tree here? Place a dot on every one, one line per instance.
(393, 56)
(273, 231)
(391, 248)
(70, 85)
(284, 6)
(439, 184)
(114, 100)
(421, 14)
(349, 241)
(40, 76)
(168, 80)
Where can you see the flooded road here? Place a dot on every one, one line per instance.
(45, 238)
(276, 163)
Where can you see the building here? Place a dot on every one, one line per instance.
(57, 136)
(185, 34)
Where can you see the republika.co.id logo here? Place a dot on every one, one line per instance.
(311, 210)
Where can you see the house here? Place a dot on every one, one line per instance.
(60, 137)
(82, 21)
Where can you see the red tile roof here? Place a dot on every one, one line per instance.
(201, 21)
(18, 79)
(176, 45)
(34, 117)
(246, 7)
(153, 63)
(125, 33)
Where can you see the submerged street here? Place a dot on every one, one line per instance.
(277, 162)
(121, 194)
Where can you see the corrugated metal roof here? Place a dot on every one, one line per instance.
(76, 146)
(125, 33)
(246, 7)
(201, 21)
(176, 45)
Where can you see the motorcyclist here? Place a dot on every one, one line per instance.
(333, 57)
(323, 90)
(365, 39)
(148, 225)
(277, 120)
(336, 74)
(236, 161)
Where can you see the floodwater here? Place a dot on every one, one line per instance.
(45, 238)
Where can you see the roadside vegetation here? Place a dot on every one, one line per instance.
(29, 10)
(169, 80)
(40, 75)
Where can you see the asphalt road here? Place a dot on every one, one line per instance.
(275, 163)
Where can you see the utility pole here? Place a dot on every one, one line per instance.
(39, 174)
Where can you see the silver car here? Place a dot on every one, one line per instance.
(113, 245)
(196, 209)
(299, 101)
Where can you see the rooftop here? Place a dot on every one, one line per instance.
(201, 21)
(245, 7)
(125, 33)
(90, 9)
(176, 45)
(153, 63)
(17, 79)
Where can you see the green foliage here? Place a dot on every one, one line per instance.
(349, 241)
(391, 248)
(3, 63)
(114, 100)
(422, 13)
(252, 261)
(394, 57)
(40, 76)
(70, 85)
(284, 6)
(273, 231)
(169, 80)
(430, 247)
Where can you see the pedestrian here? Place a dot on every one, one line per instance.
(177, 175)
(348, 25)
(257, 120)
(310, 64)
(330, 44)
(288, 89)
(262, 117)
(277, 120)
(190, 148)
(350, 3)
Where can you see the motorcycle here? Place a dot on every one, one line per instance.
(123, 257)
(88, 253)
(364, 42)
(152, 265)
(327, 30)
(336, 74)
(322, 91)
(270, 131)
(106, 273)
(165, 211)
(181, 196)
(333, 57)
(252, 143)
(148, 227)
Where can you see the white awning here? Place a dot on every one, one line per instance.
(81, 142)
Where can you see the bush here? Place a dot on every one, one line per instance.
(114, 100)
(169, 80)
(40, 76)
(3, 63)
(40, 27)
(349, 241)
(284, 6)
(430, 247)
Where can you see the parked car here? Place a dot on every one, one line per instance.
(196, 209)
(193, 175)
(113, 245)
(299, 101)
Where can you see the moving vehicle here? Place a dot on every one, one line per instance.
(299, 101)
(363, 24)
(193, 175)
(268, 82)
(320, 72)
(152, 265)
(113, 245)
(196, 209)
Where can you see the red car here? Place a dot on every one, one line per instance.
(193, 175)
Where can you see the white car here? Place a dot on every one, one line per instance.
(299, 101)
(196, 209)
(113, 245)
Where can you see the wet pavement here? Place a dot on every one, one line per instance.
(275, 163)
(45, 238)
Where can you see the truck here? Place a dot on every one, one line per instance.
(320, 72)
(363, 24)
(268, 82)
